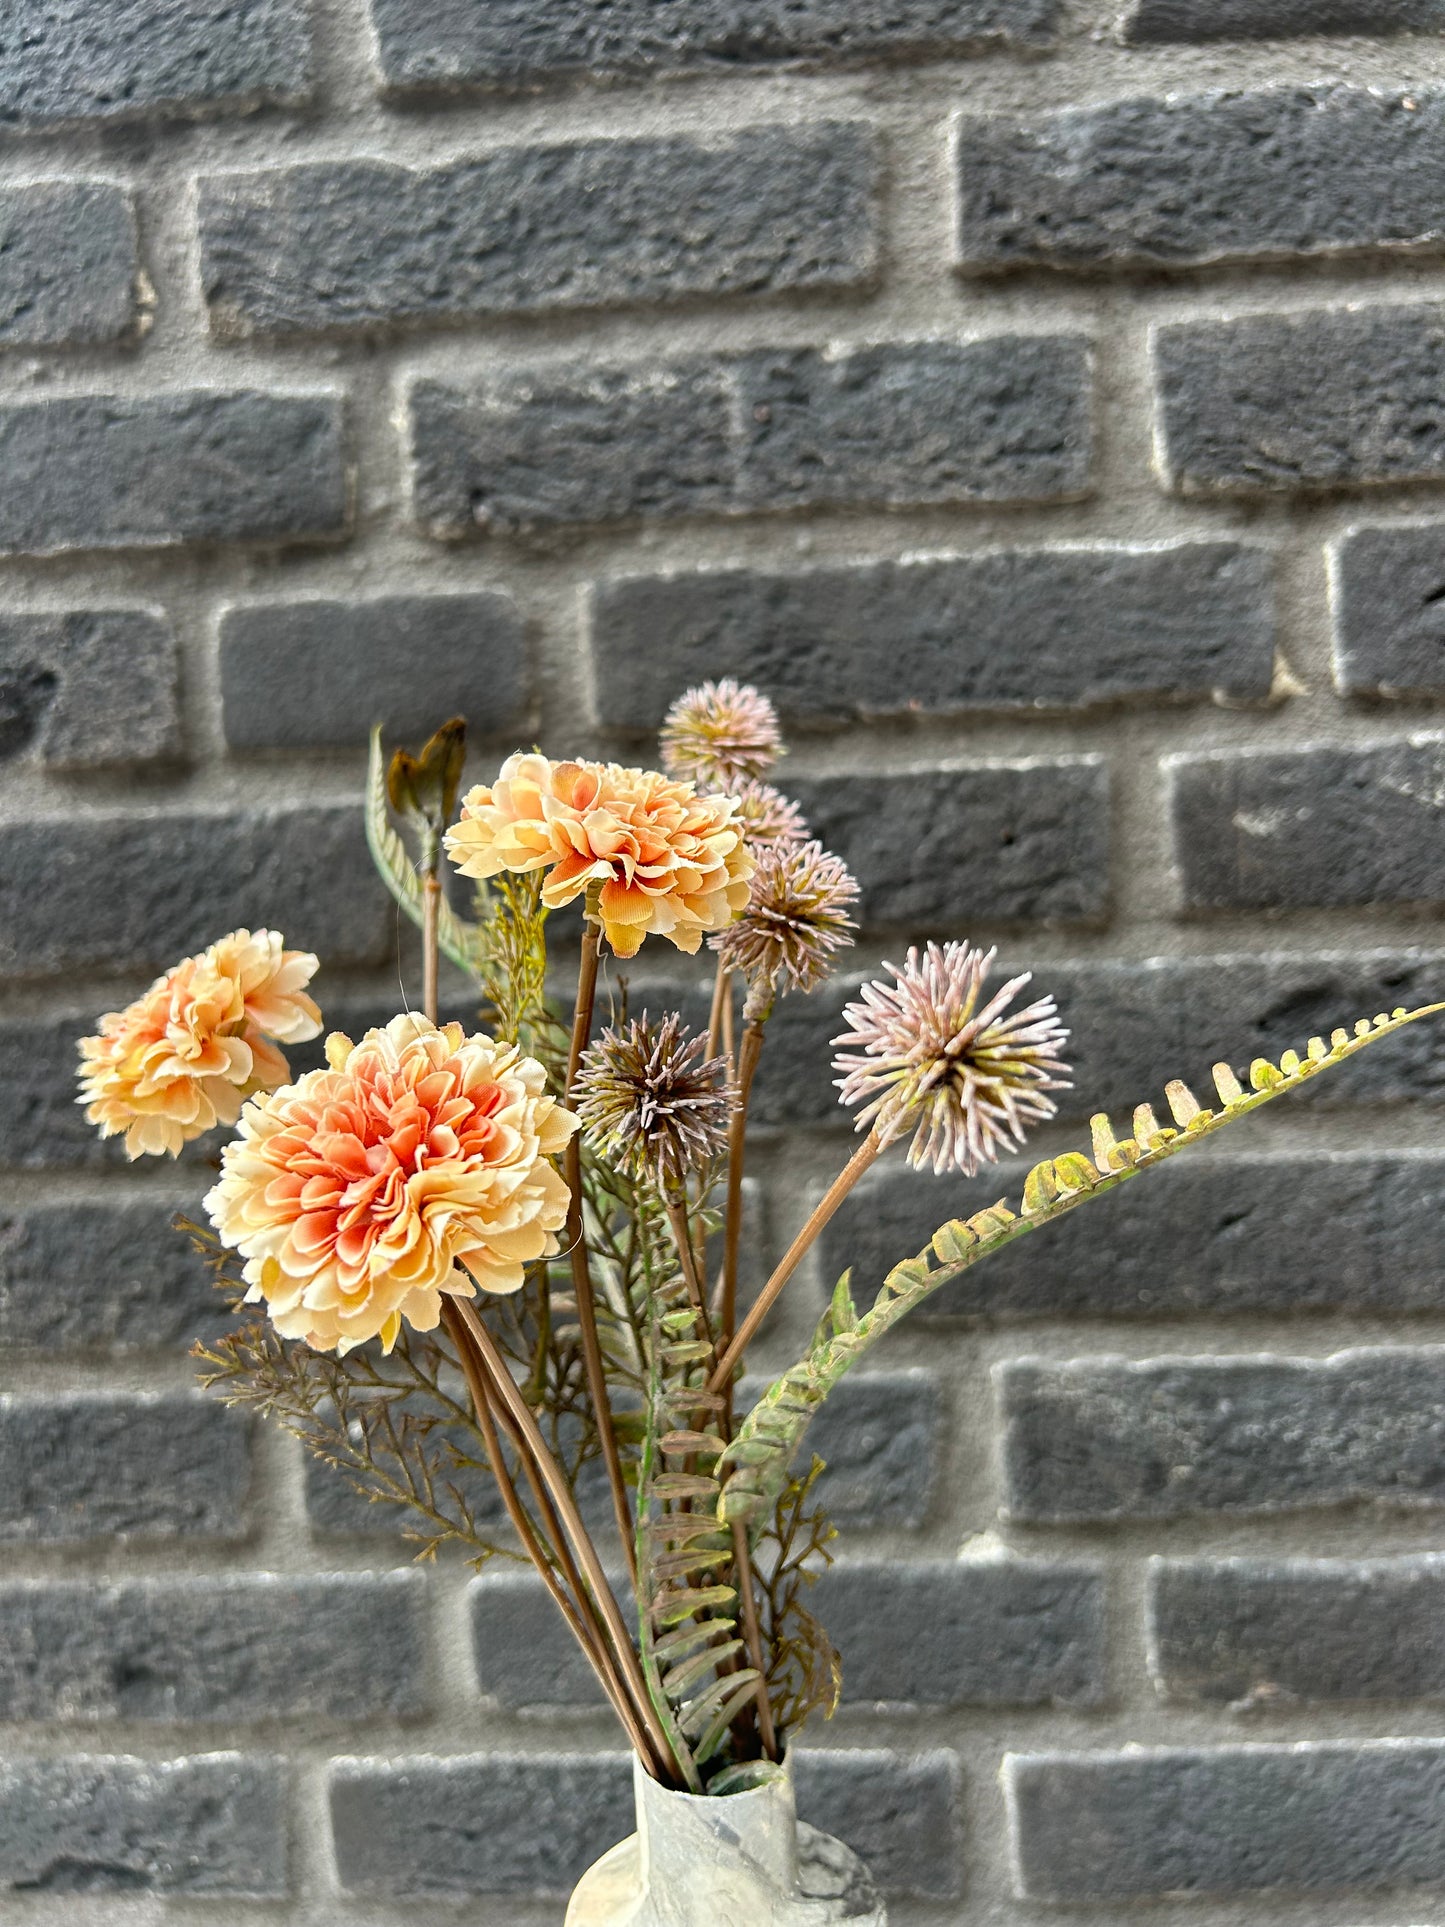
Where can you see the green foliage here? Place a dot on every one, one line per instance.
(693, 1656)
(457, 940)
(759, 1456)
(805, 1673)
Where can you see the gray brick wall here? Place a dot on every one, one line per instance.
(1043, 401)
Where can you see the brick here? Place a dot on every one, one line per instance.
(69, 60)
(881, 1436)
(1026, 841)
(1000, 420)
(898, 1812)
(1313, 827)
(1016, 629)
(266, 1646)
(120, 891)
(524, 1655)
(122, 1465)
(152, 1291)
(89, 688)
(1233, 1819)
(1261, 1632)
(298, 674)
(1181, 181)
(427, 44)
(1133, 1026)
(332, 245)
(966, 1632)
(1217, 1235)
(69, 265)
(533, 1823)
(1387, 592)
(122, 472)
(1163, 20)
(1327, 398)
(1105, 1438)
(211, 1825)
(550, 452)
(1006, 419)
(490, 1824)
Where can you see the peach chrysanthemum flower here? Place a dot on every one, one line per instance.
(661, 858)
(923, 1051)
(720, 735)
(416, 1164)
(186, 1055)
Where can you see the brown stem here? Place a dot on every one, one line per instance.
(729, 1045)
(737, 1154)
(822, 1211)
(752, 1636)
(431, 901)
(721, 992)
(624, 1654)
(576, 1608)
(577, 1251)
(687, 1258)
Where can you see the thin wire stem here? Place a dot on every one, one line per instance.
(867, 1151)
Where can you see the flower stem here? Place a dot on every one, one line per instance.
(577, 1250)
(752, 1636)
(431, 900)
(687, 1257)
(822, 1211)
(737, 1152)
(574, 1608)
(625, 1656)
(721, 993)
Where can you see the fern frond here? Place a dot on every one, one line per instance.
(766, 1441)
(457, 940)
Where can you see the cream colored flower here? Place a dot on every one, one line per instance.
(662, 859)
(921, 1051)
(186, 1055)
(416, 1164)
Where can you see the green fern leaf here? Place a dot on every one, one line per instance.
(763, 1447)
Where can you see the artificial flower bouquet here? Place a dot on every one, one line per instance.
(513, 1251)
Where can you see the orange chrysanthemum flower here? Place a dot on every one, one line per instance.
(661, 858)
(186, 1055)
(416, 1164)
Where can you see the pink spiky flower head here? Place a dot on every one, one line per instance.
(720, 735)
(796, 918)
(766, 816)
(974, 1079)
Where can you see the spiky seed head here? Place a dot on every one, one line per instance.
(767, 816)
(652, 1103)
(720, 735)
(920, 1049)
(796, 919)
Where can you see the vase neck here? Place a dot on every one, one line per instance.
(753, 1834)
